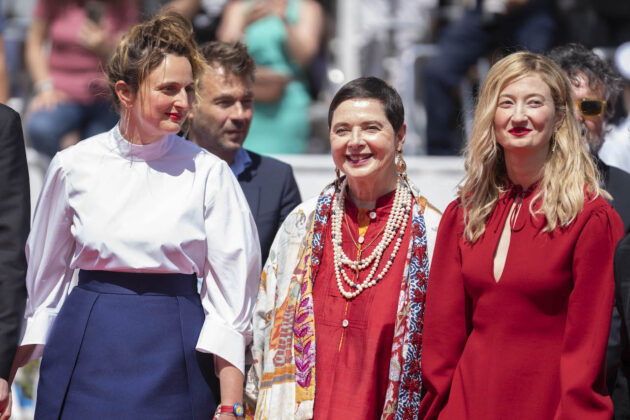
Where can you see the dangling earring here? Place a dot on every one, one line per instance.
(338, 180)
(401, 165)
(554, 141)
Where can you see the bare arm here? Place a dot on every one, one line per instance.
(36, 61)
(234, 21)
(187, 8)
(303, 36)
(46, 96)
(4, 77)
(231, 380)
(5, 400)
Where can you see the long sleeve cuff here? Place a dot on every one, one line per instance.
(36, 329)
(222, 341)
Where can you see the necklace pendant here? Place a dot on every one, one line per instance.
(361, 239)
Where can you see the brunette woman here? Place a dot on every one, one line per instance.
(142, 213)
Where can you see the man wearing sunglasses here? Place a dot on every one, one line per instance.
(595, 89)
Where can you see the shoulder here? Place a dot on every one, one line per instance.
(306, 207)
(618, 176)
(311, 9)
(7, 113)
(187, 149)
(595, 205)
(266, 163)
(10, 126)
(453, 217)
(234, 6)
(599, 211)
(95, 146)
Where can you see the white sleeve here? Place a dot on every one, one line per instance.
(232, 269)
(49, 249)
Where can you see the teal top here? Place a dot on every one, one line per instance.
(280, 127)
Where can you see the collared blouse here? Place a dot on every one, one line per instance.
(164, 207)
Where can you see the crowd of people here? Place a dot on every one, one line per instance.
(207, 288)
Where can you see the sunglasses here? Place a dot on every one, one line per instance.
(591, 108)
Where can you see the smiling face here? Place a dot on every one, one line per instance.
(221, 119)
(525, 117)
(364, 144)
(162, 101)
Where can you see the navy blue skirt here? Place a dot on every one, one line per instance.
(123, 347)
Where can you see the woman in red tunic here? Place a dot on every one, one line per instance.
(521, 287)
(338, 318)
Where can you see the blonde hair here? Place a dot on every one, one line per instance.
(144, 47)
(567, 170)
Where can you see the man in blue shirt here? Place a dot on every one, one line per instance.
(220, 121)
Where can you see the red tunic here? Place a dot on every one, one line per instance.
(351, 379)
(533, 345)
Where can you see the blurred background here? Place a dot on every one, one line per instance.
(434, 52)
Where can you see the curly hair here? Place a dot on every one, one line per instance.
(567, 171)
(144, 47)
(575, 58)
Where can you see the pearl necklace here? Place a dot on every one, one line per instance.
(394, 227)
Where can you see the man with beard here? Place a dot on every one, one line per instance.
(220, 122)
(595, 89)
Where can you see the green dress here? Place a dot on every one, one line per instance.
(280, 127)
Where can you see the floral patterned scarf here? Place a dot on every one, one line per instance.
(281, 381)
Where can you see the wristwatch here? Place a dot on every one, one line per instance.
(236, 409)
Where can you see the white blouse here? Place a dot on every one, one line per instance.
(165, 207)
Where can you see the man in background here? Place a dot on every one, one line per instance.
(15, 213)
(220, 122)
(596, 87)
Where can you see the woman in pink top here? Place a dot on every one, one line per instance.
(70, 89)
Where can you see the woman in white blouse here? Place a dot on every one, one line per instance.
(141, 212)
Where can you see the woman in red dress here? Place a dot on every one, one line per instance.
(521, 286)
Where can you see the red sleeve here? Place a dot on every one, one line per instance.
(447, 315)
(582, 361)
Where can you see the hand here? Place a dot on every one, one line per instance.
(46, 99)
(264, 8)
(22, 356)
(258, 10)
(94, 38)
(5, 400)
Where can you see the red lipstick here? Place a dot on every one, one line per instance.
(519, 131)
(174, 116)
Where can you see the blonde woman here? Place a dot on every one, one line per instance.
(521, 287)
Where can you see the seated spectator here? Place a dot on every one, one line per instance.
(70, 90)
(283, 36)
(220, 122)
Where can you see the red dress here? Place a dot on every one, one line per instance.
(351, 378)
(531, 346)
